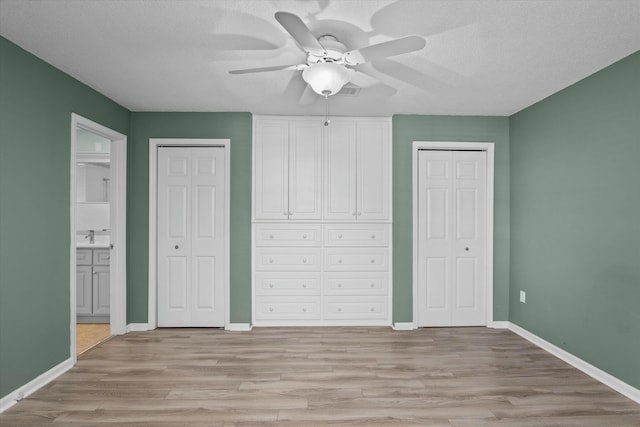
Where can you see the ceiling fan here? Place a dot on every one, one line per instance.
(330, 65)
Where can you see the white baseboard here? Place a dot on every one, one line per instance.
(596, 373)
(403, 326)
(499, 324)
(239, 327)
(138, 327)
(21, 392)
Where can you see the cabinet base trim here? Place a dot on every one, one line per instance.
(239, 327)
(403, 326)
(138, 327)
(34, 385)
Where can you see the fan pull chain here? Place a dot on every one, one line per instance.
(327, 121)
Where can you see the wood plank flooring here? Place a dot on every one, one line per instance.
(454, 377)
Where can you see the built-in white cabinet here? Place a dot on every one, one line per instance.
(322, 221)
(92, 285)
(356, 170)
(287, 173)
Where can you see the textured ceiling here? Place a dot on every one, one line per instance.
(486, 57)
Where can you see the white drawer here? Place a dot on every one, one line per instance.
(101, 256)
(83, 256)
(285, 308)
(356, 235)
(287, 283)
(364, 283)
(287, 259)
(366, 259)
(288, 234)
(355, 308)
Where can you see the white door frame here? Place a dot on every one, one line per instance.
(154, 144)
(118, 233)
(488, 147)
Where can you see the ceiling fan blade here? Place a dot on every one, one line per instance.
(263, 69)
(300, 32)
(384, 50)
(361, 79)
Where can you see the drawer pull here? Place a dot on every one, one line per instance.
(339, 285)
(372, 310)
(304, 236)
(304, 260)
(359, 213)
(339, 261)
(339, 236)
(373, 285)
(270, 260)
(271, 309)
(271, 236)
(304, 285)
(177, 247)
(373, 236)
(339, 309)
(373, 261)
(304, 310)
(271, 285)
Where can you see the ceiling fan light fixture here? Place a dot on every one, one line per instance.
(326, 78)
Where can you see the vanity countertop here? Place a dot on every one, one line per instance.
(100, 242)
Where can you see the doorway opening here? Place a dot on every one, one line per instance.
(453, 233)
(98, 234)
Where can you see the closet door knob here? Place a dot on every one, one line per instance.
(466, 249)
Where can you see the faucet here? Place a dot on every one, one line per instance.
(91, 236)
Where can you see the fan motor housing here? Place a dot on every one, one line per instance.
(334, 51)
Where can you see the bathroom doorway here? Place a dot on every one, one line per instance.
(98, 195)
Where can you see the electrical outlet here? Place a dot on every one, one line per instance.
(523, 297)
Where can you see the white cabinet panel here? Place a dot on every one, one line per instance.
(93, 290)
(340, 171)
(287, 308)
(356, 308)
(84, 257)
(101, 256)
(373, 170)
(84, 289)
(360, 283)
(101, 291)
(288, 234)
(271, 169)
(362, 259)
(356, 235)
(305, 174)
(287, 259)
(287, 283)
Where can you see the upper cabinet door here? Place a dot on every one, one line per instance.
(271, 169)
(373, 181)
(305, 169)
(340, 171)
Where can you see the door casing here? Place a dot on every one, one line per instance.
(118, 235)
(154, 144)
(488, 147)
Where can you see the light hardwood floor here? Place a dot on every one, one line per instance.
(88, 335)
(455, 377)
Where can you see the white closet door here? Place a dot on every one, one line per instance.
(340, 171)
(452, 238)
(191, 236)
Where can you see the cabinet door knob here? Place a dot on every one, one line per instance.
(304, 285)
(304, 260)
(359, 213)
(177, 247)
(373, 261)
(339, 236)
(339, 261)
(372, 309)
(271, 236)
(271, 285)
(373, 285)
(466, 249)
(339, 285)
(373, 236)
(354, 214)
(270, 260)
(271, 309)
(339, 309)
(304, 310)
(304, 236)
(95, 272)
(108, 257)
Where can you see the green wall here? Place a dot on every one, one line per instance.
(235, 126)
(575, 219)
(36, 102)
(407, 129)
